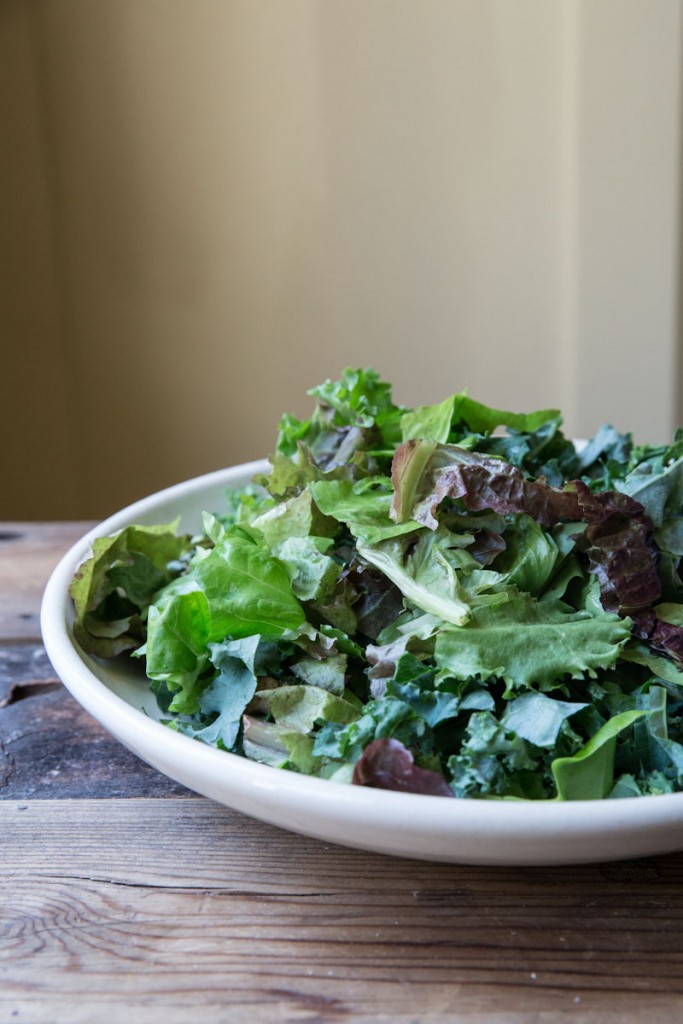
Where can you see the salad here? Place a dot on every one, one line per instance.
(451, 599)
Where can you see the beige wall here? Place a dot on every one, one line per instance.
(214, 205)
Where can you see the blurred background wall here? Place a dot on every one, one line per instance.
(209, 207)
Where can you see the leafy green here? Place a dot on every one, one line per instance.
(529, 643)
(113, 589)
(365, 511)
(301, 706)
(177, 648)
(387, 764)
(589, 774)
(314, 573)
(352, 416)
(460, 412)
(538, 718)
(494, 761)
(295, 517)
(530, 556)
(229, 692)
(247, 589)
(418, 565)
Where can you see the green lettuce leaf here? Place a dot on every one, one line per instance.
(589, 774)
(530, 644)
(538, 718)
(365, 512)
(429, 422)
(113, 588)
(296, 517)
(530, 555)
(418, 566)
(436, 422)
(314, 573)
(659, 666)
(301, 706)
(324, 673)
(176, 650)
(230, 691)
(247, 589)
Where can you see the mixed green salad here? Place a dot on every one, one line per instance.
(450, 600)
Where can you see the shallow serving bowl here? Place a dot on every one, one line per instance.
(408, 825)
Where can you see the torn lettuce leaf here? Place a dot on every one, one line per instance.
(461, 414)
(537, 718)
(419, 566)
(113, 589)
(526, 643)
(247, 589)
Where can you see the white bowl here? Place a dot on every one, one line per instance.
(404, 824)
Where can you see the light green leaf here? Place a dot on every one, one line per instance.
(177, 645)
(264, 741)
(529, 643)
(296, 517)
(429, 422)
(300, 707)
(483, 419)
(422, 573)
(660, 666)
(530, 557)
(365, 512)
(326, 673)
(589, 774)
(435, 422)
(538, 718)
(248, 590)
(668, 612)
(137, 562)
(314, 573)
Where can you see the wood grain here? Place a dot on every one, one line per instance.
(25, 669)
(50, 748)
(162, 907)
(28, 554)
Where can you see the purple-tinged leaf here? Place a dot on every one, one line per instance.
(387, 764)
(665, 637)
(487, 546)
(619, 543)
(423, 474)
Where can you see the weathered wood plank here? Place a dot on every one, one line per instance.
(24, 669)
(167, 908)
(28, 554)
(50, 748)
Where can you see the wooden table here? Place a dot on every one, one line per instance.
(127, 898)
